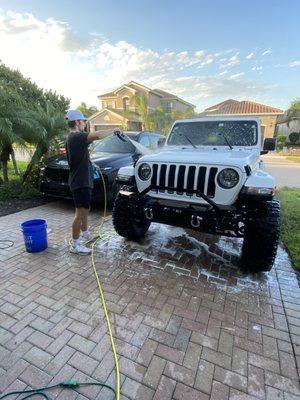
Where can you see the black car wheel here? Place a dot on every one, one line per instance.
(127, 222)
(261, 238)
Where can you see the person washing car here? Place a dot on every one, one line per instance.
(80, 176)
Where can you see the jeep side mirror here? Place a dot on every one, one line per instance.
(269, 145)
(136, 156)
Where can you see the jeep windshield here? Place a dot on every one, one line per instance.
(214, 133)
(112, 144)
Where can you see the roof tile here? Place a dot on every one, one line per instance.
(242, 107)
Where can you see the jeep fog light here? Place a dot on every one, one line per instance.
(228, 178)
(144, 171)
(260, 191)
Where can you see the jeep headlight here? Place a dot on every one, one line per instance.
(228, 178)
(144, 171)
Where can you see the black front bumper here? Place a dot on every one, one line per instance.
(209, 218)
(62, 190)
(227, 221)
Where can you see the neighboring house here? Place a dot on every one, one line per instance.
(118, 108)
(268, 115)
(285, 128)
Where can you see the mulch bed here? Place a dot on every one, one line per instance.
(15, 205)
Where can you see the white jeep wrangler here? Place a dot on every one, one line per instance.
(209, 177)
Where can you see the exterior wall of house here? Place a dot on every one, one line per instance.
(154, 101)
(104, 121)
(269, 121)
(179, 106)
(120, 96)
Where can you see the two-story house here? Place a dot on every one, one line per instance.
(118, 107)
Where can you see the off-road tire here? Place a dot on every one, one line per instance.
(261, 238)
(125, 221)
(113, 194)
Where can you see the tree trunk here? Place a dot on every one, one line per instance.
(13, 158)
(37, 155)
(4, 158)
(5, 171)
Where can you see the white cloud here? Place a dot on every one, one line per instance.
(266, 52)
(249, 56)
(54, 56)
(224, 52)
(210, 89)
(238, 75)
(257, 68)
(294, 64)
(223, 73)
(229, 62)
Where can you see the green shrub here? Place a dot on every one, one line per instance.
(294, 137)
(34, 176)
(281, 140)
(29, 192)
(16, 190)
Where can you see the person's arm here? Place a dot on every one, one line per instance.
(99, 135)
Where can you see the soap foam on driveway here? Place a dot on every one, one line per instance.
(186, 320)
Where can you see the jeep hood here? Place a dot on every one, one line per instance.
(210, 157)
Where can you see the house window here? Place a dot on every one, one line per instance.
(126, 103)
(169, 106)
(111, 104)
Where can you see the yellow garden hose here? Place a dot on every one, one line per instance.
(101, 293)
(72, 384)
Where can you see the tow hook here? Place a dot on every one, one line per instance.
(196, 221)
(149, 213)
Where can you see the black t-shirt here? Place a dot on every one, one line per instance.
(80, 175)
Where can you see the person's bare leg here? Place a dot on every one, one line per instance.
(77, 247)
(77, 223)
(84, 219)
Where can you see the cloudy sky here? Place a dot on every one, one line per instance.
(205, 52)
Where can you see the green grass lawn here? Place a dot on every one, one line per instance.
(22, 167)
(293, 158)
(290, 222)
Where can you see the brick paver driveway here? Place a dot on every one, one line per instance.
(188, 325)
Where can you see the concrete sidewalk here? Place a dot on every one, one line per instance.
(188, 324)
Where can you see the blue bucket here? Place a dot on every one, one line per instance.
(35, 235)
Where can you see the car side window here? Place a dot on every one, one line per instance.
(144, 140)
(153, 142)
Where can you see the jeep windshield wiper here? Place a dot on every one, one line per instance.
(226, 139)
(189, 140)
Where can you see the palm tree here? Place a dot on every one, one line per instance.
(52, 127)
(293, 111)
(87, 111)
(13, 123)
(142, 106)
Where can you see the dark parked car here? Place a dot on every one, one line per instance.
(109, 154)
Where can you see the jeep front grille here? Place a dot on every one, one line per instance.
(174, 178)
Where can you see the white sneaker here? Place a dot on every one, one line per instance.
(87, 235)
(79, 248)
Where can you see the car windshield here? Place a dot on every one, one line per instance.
(214, 133)
(112, 144)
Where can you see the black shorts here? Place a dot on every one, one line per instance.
(82, 197)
